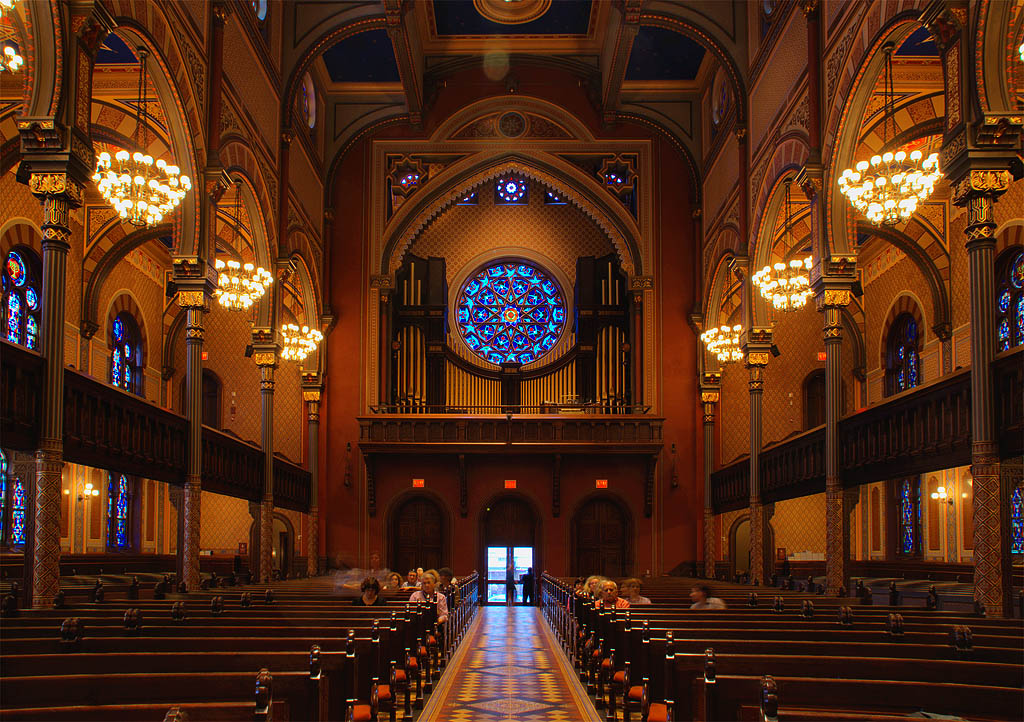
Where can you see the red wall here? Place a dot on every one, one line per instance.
(350, 535)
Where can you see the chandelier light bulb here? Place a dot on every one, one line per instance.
(298, 343)
(238, 286)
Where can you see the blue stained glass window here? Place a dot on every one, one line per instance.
(14, 318)
(1017, 521)
(118, 329)
(1020, 319)
(904, 366)
(553, 199)
(3, 489)
(1004, 334)
(124, 361)
(511, 312)
(1010, 300)
(1004, 301)
(1017, 271)
(121, 511)
(510, 190)
(469, 200)
(908, 518)
(31, 299)
(31, 332)
(117, 368)
(18, 512)
(16, 269)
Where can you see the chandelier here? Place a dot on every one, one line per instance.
(239, 285)
(888, 188)
(10, 60)
(724, 343)
(6, 6)
(299, 342)
(787, 286)
(141, 191)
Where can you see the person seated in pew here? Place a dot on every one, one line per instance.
(610, 598)
(393, 582)
(593, 586)
(429, 593)
(369, 594)
(412, 580)
(577, 591)
(631, 590)
(702, 598)
(447, 585)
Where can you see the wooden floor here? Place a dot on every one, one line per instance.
(509, 667)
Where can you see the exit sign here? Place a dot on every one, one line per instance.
(206, 355)
(601, 483)
(510, 483)
(418, 483)
(821, 356)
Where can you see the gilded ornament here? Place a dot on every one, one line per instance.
(311, 395)
(641, 283)
(265, 358)
(757, 358)
(709, 397)
(193, 299)
(980, 182)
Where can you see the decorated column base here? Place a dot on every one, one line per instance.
(313, 553)
(46, 547)
(190, 547)
(758, 563)
(991, 531)
(709, 544)
(837, 534)
(266, 539)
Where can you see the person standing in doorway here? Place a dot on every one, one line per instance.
(528, 586)
(510, 583)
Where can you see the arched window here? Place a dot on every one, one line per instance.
(903, 367)
(3, 492)
(910, 517)
(510, 191)
(21, 300)
(307, 101)
(126, 354)
(117, 512)
(260, 8)
(1010, 300)
(814, 399)
(1017, 521)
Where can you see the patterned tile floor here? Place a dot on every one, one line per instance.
(509, 667)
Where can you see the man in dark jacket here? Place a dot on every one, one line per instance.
(528, 586)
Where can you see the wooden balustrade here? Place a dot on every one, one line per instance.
(291, 485)
(231, 466)
(21, 396)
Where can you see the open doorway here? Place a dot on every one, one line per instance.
(504, 565)
(509, 549)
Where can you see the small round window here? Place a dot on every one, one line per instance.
(511, 312)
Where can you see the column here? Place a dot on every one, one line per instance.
(267, 362)
(709, 399)
(978, 191)
(756, 363)
(312, 399)
(837, 520)
(59, 194)
(193, 301)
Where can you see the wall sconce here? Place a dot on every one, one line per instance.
(946, 495)
(234, 407)
(85, 491)
(675, 476)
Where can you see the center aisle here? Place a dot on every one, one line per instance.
(509, 667)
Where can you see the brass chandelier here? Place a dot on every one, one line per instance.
(724, 343)
(298, 343)
(888, 188)
(10, 60)
(141, 191)
(239, 285)
(787, 286)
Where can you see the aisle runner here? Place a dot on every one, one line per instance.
(509, 667)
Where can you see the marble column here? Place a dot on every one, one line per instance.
(267, 362)
(756, 363)
(312, 398)
(59, 194)
(977, 191)
(193, 302)
(709, 399)
(837, 520)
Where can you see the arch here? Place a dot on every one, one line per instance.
(240, 162)
(108, 261)
(462, 177)
(721, 281)
(936, 285)
(602, 536)
(527, 103)
(769, 543)
(789, 156)
(43, 33)
(124, 301)
(19, 231)
(179, 101)
(903, 354)
(905, 302)
(172, 329)
(994, 62)
(853, 90)
(406, 548)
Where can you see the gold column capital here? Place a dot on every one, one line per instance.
(757, 358)
(833, 297)
(56, 184)
(709, 397)
(311, 395)
(975, 183)
(191, 299)
(265, 358)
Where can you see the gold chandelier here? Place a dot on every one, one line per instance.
(10, 59)
(141, 191)
(6, 6)
(787, 286)
(239, 285)
(888, 188)
(724, 343)
(299, 342)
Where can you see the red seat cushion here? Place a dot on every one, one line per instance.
(383, 692)
(412, 663)
(636, 693)
(597, 654)
(422, 651)
(361, 713)
(658, 713)
(431, 639)
(606, 663)
(399, 675)
(619, 677)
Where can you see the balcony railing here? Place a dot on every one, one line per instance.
(547, 409)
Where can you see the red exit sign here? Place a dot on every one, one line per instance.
(418, 483)
(510, 483)
(206, 355)
(601, 483)
(821, 356)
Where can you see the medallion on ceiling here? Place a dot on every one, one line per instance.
(512, 12)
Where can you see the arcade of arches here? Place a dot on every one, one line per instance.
(512, 235)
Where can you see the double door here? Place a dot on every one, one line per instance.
(506, 563)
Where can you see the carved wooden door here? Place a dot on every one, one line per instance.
(418, 536)
(600, 539)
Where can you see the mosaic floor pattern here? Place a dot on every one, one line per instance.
(509, 667)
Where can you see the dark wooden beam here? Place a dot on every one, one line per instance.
(622, 32)
(408, 56)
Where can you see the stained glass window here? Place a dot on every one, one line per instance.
(904, 366)
(510, 191)
(307, 101)
(21, 300)
(553, 199)
(470, 199)
(117, 512)
(1017, 521)
(3, 490)
(1010, 300)
(18, 505)
(260, 7)
(124, 355)
(511, 312)
(909, 516)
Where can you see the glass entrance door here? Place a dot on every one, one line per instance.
(506, 564)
